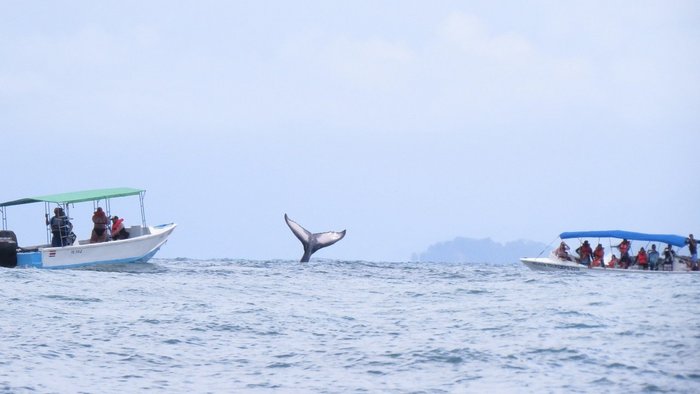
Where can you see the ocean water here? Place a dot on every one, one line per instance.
(221, 326)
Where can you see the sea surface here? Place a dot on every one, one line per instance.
(229, 326)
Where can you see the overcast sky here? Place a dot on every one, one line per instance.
(405, 122)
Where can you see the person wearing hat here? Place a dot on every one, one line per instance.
(61, 228)
(118, 230)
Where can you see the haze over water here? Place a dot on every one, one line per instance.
(180, 325)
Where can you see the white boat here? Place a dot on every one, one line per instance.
(143, 242)
(679, 264)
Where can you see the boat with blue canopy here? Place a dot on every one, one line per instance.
(668, 247)
(137, 244)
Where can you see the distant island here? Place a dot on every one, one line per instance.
(470, 250)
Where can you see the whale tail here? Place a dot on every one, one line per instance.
(313, 242)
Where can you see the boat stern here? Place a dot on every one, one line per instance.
(29, 259)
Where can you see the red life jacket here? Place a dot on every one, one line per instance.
(624, 247)
(599, 252)
(117, 225)
(585, 251)
(642, 258)
(100, 220)
(598, 255)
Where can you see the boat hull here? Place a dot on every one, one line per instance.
(549, 264)
(136, 249)
(546, 264)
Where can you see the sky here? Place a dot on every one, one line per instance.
(404, 122)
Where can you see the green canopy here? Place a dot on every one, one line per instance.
(85, 195)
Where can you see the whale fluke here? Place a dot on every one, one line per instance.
(312, 242)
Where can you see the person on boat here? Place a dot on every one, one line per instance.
(669, 255)
(598, 256)
(653, 256)
(614, 262)
(585, 253)
(642, 259)
(693, 248)
(118, 230)
(562, 252)
(99, 229)
(61, 228)
(625, 260)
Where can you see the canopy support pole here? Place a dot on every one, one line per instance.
(143, 211)
(48, 228)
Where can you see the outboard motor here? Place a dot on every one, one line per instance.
(8, 249)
